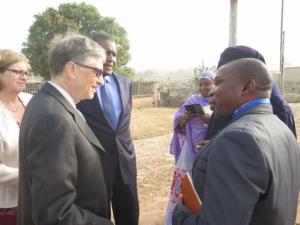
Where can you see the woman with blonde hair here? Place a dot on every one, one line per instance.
(14, 71)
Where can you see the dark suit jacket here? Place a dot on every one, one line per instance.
(118, 141)
(249, 174)
(65, 173)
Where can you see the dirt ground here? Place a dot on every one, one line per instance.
(151, 129)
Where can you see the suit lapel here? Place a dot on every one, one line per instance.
(96, 107)
(85, 129)
(77, 118)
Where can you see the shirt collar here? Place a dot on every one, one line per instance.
(249, 105)
(64, 93)
(108, 79)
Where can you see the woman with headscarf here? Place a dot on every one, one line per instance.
(188, 130)
(280, 106)
(14, 71)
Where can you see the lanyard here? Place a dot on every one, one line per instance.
(250, 105)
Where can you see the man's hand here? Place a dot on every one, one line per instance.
(199, 145)
(205, 118)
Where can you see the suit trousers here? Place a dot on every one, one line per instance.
(125, 202)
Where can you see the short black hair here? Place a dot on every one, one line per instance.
(251, 69)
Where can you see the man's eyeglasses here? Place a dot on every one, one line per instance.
(18, 72)
(97, 71)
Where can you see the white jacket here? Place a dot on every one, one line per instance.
(9, 155)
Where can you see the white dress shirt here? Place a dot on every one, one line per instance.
(9, 155)
(68, 97)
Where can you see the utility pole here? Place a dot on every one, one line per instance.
(233, 22)
(282, 34)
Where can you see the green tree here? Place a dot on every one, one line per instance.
(75, 18)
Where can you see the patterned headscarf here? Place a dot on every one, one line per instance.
(207, 75)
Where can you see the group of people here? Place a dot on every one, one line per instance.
(246, 165)
(66, 154)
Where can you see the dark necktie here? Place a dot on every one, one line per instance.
(108, 106)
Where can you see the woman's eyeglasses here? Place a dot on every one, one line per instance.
(18, 72)
(97, 71)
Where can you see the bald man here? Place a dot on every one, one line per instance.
(249, 173)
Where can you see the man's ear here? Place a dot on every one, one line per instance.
(249, 87)
(70, 70)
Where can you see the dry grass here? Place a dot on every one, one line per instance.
(151, 122)
(151, 129)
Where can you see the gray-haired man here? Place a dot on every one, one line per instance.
(65, 173)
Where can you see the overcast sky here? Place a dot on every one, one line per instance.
(173, 34)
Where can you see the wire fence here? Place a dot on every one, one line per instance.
(144, 88)
(172, 95)
(139, 89)
(33, 87)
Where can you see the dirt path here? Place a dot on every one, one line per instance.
(155, 168)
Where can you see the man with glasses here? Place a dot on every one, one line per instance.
(65, 173)
(108, 114)
(97, 71)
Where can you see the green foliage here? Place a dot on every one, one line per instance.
(202, 68)
(129, 72)
(72, 18)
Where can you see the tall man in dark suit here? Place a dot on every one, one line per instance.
(65, 173)
(249, 173)
(108, 115)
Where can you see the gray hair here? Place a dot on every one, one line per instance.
(72, 47)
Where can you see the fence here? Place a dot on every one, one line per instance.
(138, 88)
(151, 94)
(33, 87)
(144, 89)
